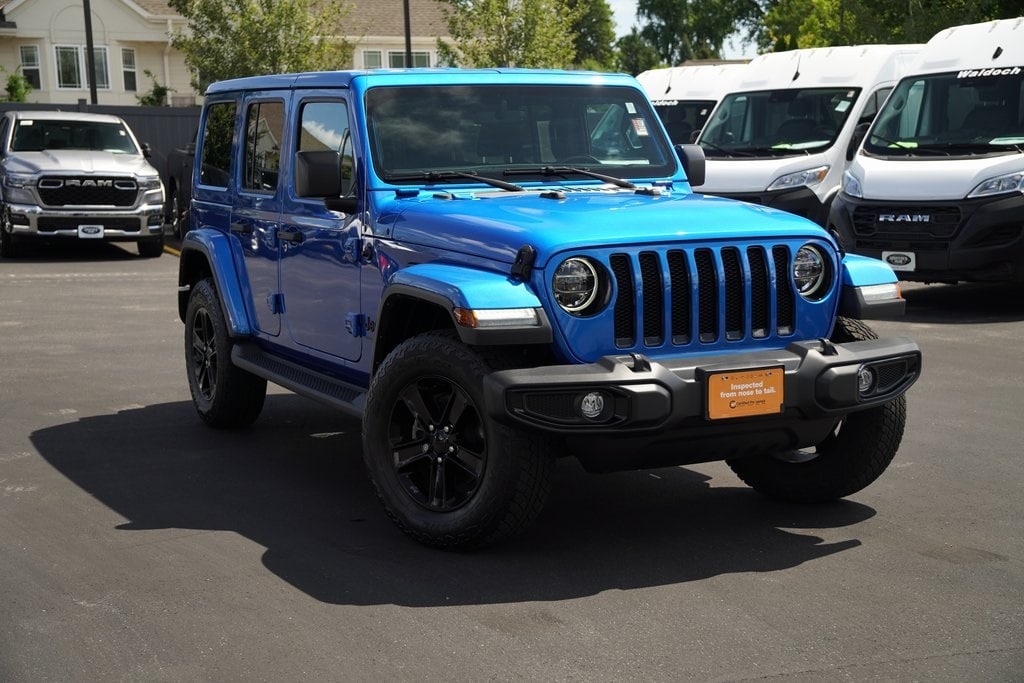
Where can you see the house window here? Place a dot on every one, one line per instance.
(396, 59)
(71, 72)
(128, 67)
(371, 59)
(30, 65)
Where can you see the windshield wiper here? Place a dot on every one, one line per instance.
(909, 147)
(772, 151)
(723, 150)
(453, 175)
(565, 170)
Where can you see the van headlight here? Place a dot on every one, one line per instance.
(851, 185)
(576, 285)
(808, 178)
(1011, 182)
(811, 272)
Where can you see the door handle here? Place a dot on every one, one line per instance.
(294, 236)
(241, 228)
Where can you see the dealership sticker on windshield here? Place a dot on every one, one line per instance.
(90, 232)
(900, 260)
(745, 393)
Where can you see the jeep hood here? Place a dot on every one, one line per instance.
(495, 226)
(77, 162)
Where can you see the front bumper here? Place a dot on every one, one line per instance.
(971, 239)
(820, 383)
(118, 225)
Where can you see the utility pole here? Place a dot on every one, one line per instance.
(90, 61)
(408, 35)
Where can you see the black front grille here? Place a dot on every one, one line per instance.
(906, 222)
(753, 287)
(87, 191)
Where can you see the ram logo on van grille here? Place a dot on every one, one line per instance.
(904, 218)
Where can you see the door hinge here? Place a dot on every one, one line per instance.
(355, 324)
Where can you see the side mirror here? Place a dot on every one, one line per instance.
(147, 151)
(858, 137)
(694, 164)
(321, 173)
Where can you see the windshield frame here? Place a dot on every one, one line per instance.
(765, 142)
(489, 129)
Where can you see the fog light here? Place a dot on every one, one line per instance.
(592, 405)
(865, 379)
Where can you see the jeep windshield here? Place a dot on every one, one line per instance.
(957, 114)
(37, 135)
(774, 123)
(496, 131)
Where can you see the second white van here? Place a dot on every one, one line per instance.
(785, 134)
(684, 96)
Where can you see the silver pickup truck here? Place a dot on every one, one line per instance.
(71, 175)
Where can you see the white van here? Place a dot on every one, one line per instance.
(786, 132)
(684, 96)
(937, 190)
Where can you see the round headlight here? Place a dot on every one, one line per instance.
(575, 284)
(810, 272)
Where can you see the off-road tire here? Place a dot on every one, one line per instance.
(224, 395)
(491, 486)
(852, 457)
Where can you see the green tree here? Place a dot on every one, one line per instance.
(633, 54)
(18, 87)
(233, 38)
(595, 34)
(157, 95)
(519, 33)
(683, 29)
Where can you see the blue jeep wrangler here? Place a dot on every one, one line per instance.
(497, 268)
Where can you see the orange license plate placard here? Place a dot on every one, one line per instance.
(745, 392)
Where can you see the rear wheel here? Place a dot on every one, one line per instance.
(854, 455)
(447, 475)
(178, 215)
(223, 394)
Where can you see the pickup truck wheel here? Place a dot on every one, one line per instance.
(178, 217)
(8, 249)
(223, 394)
(151, 248)
(856, 453)
(448, 476)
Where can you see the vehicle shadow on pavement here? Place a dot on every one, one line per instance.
(71, 250)
(295, 484)
(964, 303)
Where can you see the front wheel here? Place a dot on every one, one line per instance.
(223, 394)
(151, 248)
(854, 455)
(448, 476)
(8, 249)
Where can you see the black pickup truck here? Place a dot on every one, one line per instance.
(179, 186)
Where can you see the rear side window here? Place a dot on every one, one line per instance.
(264, 125)
(216, 156)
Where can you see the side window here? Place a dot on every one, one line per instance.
(264, 124)
(323, 127)
(216, 156)
(873, 104)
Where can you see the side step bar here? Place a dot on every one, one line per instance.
(348, 398)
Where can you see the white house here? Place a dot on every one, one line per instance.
(47, 39)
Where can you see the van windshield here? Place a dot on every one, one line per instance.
(683, 118)
(514, 130)
(34, 135)
(774, 123)
(961, 113)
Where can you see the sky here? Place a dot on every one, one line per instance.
(624, 12)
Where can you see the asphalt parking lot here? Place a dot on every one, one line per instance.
(139, 545)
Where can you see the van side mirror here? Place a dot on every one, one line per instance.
(858, 137)
(694, 164)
